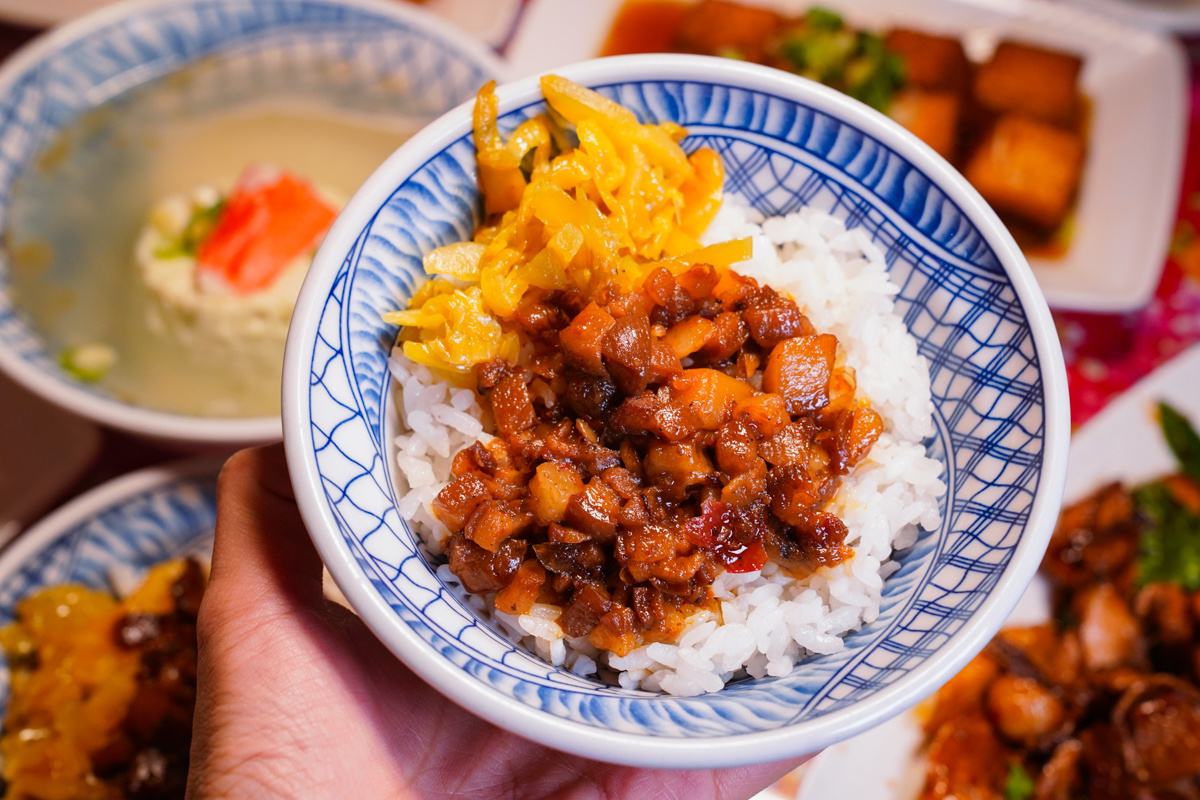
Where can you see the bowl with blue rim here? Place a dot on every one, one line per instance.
(108, 538)
(965, 293)
(91, 121)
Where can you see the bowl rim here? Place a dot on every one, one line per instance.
(96, 500)
(139, 420)
(807, 736)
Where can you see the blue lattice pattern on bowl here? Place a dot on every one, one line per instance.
(357, 55)
(128, 525)
(783, 148)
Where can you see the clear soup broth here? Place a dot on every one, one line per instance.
(79, 208)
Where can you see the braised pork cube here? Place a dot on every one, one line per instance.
(672, 302)
(1028, 80)
(589, 396)
(494, 522)
(589, 604)
(649, 413)
(594, 510)
(582, 340)
(729, 334)
(512, 405)
(455, 504)
(689, 336)
(551, 489)
(931, 116)
(822, 538)
(933, 63)
(522, 591)
(709, 396)
(716, 27)
(637, 549)
(799, 369)
(577, 560)
(747, 488)
(855, 431)
(737, 448)
(617, 631)
(482, 571)
(767, 412)
(771, 318)
(677, 466)
(625, 347)
(1028, 169)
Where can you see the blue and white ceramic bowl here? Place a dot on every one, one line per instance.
(341, 52)
(966, 294)
(113, 533)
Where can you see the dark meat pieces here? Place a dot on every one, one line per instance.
(626, 351)
(650, 440)
(1102, 704)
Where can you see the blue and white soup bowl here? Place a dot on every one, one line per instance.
(966, 295)
(346, 56)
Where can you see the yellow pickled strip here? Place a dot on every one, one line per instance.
(609, 168)
(490, 149)
(677, 132)
(529, 134)
(459, 260)
(502, 295)
(500, 178)
(722, 254)
(678, 244)
(553, 206)
(702, 192)
(565, 244)
(544, 271)
(569, 170)
(605, 211)
(501, 188)
(577, 103)
(416, 319)
(431, 289)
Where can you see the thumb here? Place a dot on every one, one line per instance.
(262, 555)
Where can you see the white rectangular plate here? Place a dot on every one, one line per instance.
(1136, 79)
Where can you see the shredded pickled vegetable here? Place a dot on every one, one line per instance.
(623, 201)
(91, 706)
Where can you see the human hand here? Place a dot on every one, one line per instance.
(297, 698)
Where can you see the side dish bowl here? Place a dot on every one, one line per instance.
(966, 295)
(347, 59)
(107, 538)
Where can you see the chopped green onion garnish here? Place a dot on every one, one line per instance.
(88, 362)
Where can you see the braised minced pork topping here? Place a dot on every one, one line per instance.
(647, 441)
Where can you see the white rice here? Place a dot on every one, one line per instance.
(768, 621)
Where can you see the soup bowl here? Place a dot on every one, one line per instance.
(965, 293)
(104, 115)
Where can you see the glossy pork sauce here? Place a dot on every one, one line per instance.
(648, 441)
